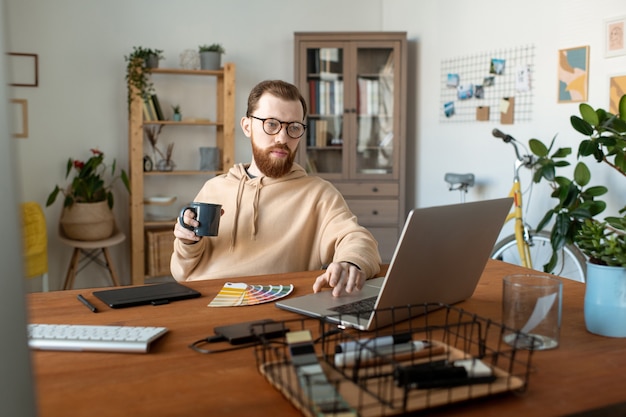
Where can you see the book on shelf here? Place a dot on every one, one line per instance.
(321, 128)
(157, 107)
(368, 91)
(151, 108)
(147, 111)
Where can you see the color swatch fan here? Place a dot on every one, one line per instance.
(242, 294)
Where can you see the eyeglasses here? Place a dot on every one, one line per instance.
(273, 126)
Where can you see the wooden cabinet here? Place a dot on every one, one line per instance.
(355, 87)
(215, 118)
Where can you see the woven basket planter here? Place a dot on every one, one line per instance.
(87, 221)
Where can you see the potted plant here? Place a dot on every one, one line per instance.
(177, 115)
(88, 199)
(210, 56)
(575, 214)
(138, 68)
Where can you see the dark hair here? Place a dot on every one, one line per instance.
(278, 88)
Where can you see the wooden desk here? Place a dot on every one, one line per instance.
(585, 372)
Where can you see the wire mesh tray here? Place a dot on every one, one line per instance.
(340, 372)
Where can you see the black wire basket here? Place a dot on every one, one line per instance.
(444, 355)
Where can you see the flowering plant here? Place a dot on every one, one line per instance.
(88, 185)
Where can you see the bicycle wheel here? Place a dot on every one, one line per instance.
(571, 262)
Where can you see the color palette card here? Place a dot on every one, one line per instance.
(241, 294)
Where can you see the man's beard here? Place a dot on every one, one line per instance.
(271, 166)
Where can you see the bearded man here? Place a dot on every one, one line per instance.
(275, 217)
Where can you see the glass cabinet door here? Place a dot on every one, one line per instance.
(325, 97)
(374, 145)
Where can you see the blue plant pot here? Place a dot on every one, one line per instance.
(605, 300)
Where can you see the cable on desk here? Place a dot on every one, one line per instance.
(195, 346)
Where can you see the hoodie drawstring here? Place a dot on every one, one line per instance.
(233, 235)
(255, 207)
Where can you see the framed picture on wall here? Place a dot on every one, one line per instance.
(20, 117)
(615, 36)
(617, 88)
(573, 74)
(24, 69)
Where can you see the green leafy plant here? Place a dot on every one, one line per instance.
(578, 205)
(214, 47)
(88, 186)
(137, 73)
(176, 108)
(601, 243)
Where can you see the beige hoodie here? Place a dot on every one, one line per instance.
(273, 225)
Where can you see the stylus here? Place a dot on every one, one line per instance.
(87, 303)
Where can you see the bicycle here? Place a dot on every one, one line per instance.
(525, 247)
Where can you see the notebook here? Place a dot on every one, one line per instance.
(439, 258)
(146, 294)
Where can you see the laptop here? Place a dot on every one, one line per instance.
(439, 258)
(154, 294)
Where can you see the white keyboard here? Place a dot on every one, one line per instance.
(92, 338)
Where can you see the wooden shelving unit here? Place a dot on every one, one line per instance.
(224, 126)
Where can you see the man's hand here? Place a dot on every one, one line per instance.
(185, 235)
(341, 277)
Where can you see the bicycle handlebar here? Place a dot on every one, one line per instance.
(527, 160)
(507, 138)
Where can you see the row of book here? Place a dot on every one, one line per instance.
(371, 97)
(320, 134)
(152, 109)
(326, 97)
(329, 60)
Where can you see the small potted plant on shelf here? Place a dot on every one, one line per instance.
(140, 62)
(88, 199)
(210, 56)
(575, 214)
(177, 116)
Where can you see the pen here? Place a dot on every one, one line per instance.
(87, 303)
(375, 343)
(363, 356)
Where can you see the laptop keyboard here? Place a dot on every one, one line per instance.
(361, 307)
(92, 338)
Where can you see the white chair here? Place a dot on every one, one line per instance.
(90, 251)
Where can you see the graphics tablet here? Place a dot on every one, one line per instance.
(155, 294)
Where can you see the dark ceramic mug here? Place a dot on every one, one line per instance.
(207, 214)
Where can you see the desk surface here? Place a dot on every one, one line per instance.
(585, 372)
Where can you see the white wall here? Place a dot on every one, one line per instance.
(81, 100)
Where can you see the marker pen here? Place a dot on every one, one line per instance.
(364, 354)
(87, 303)
(378, 342)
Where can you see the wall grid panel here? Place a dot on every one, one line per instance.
(474, 69)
